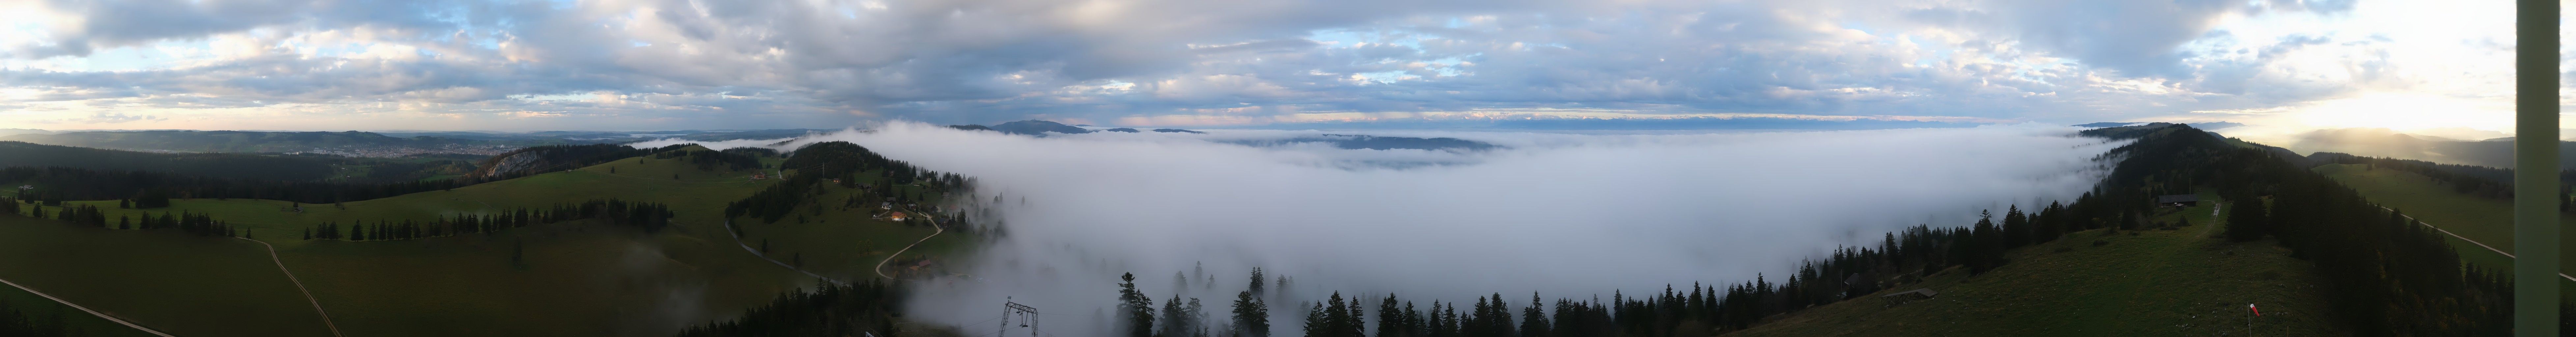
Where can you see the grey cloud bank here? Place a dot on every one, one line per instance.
(1563, 214)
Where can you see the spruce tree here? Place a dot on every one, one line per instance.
(1356, 325)
(1174, 324)
(1135, 310)
(1534, 321)
(1337, 319)
(1316, 326)
(1390, 322)
(1982, 245)
(1413, 324)
(2245, 220)
(2017, 231)
(1251, 317)
(1257, 280)
(1197, 316)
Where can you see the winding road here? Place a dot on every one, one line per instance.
(935, 229)
(85, 309)
(299, 286)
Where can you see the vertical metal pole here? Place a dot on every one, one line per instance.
(2535, 174)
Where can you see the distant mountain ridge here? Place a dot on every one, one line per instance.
(233, 141)
(1040, 128)
(2203, 126)
(368, 144)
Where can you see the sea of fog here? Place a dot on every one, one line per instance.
(1562, 214)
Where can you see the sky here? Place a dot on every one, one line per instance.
(1566, 215)
(1552, 64)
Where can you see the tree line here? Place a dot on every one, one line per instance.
(87, 215)
(710, 160)
(645, 215)
(856, 309)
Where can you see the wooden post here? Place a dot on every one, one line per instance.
(2535, 175)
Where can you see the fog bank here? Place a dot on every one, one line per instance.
(1567, 215)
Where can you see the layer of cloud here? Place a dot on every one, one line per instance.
(750, 64)
(1563, 214)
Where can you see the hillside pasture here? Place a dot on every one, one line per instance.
(2181, 282)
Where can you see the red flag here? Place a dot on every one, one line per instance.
(2257, 312)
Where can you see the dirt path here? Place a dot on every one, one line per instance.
(85, 309)
(2213, 218)
(299, 286)
(737, 241)
(935, 230)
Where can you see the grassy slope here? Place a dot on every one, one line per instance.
(2161, 282)
(579, 279)
(183, 285)
(846, 244)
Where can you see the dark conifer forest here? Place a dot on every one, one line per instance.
(815, 163)
(859, 309)
(641, 215)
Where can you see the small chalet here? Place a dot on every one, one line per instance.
(26, 187)
(759, 176)
(1909, 296)
(886, 205)
(897, 216)
(2178, 200)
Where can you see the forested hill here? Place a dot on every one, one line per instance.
(60, 173)
(244, 141)
(213, 165)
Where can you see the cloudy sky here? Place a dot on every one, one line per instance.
(652, 64)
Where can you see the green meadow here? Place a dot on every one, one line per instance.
(562, 279)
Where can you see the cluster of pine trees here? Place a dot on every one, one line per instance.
(710, 160)
(19, 323)
(646, 215)
(191, 223)
(84, 215)
(87, 215)
(857, 309)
